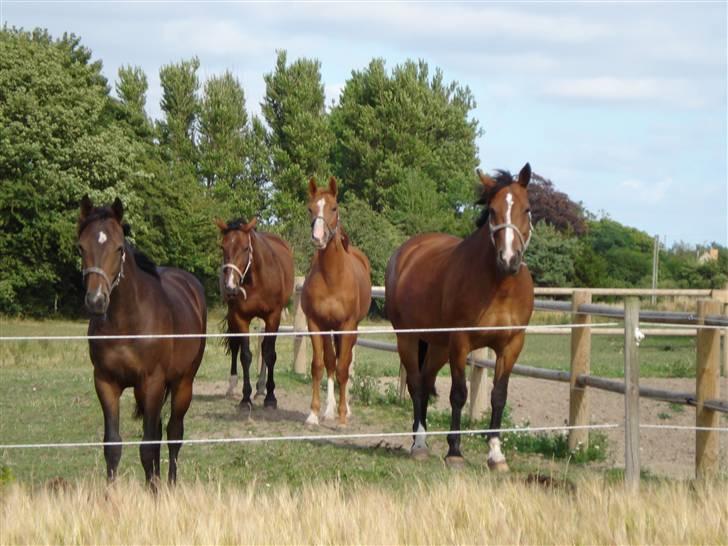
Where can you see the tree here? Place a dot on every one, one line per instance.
(550, 256)
(554, 207)
(59, 142)
(300, 138)
(404, 127)
(180, 106)
(131, 88)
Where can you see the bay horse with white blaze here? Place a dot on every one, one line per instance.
(336, 296)
(127, 294)
(256, 281)
(436, 280)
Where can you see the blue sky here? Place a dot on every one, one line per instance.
(622, 105)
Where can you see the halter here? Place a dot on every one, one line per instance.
(247, 267)
(330, 232)
(111, 284)
(524, 242)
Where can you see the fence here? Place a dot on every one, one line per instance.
(709, 322)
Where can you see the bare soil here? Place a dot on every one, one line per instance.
(663, 452)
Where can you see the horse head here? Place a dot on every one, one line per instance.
(237, 255)
(324, 211)
(101, 246)
(508, 214)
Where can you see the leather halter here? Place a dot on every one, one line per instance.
(330, 232)
(109, 283)
(247, 267)
(524, 242)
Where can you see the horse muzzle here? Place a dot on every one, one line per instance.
(96, 302)
(509, 266)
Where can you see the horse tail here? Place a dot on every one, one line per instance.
(421, 357)
(227, 342)
(139, 408)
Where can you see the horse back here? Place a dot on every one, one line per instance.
(363, 273)
(282, 256)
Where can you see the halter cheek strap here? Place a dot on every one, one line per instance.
(498, 227)
(109, 283)
(237, 270)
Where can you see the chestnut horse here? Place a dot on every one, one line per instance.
(336, 296)
(256, 281)
(127, 294)
(437, 281)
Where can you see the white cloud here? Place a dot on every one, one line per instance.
(214, 36)
(644, 192)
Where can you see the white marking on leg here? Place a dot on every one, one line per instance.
(232, 383)
(102, 237)
(312, 419)
(420, 438)
(330, 399)
(508, 251)
(318, 223)
(495, 455)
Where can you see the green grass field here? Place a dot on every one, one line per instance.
(47, 395)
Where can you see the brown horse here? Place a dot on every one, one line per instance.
(336, 296)
(438, 281)
(127, 294)
(256, 281)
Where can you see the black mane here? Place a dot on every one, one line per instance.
(98, 213)
(502, 179)
(232, 225)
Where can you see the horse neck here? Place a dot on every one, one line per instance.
(332, 258)
(124, 304)
(478, 252)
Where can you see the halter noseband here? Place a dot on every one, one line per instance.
(111, 284)
(330, 232)
(247, 267)
(524, 242)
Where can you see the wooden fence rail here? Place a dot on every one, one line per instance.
(706, 399)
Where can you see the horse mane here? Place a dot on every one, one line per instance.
(237, 223)
(98, 213)
(502, 179)
(344, 238)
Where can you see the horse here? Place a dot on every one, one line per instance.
(126, 294)
(256, 280)
(436, 280)
(336, 295)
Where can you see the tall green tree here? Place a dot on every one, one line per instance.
(404, 127)
(58, 141)
(131, 89)
(180, 107)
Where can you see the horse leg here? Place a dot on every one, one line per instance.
(262, 374)
(330, 353)
(317, 371)
(181, 398)
(458, 395)
(346, 347)
(153, 394)
(269, 358)
(408, 349)
(505, 360)
(246, 357)
(234, 348)
(108, 394)
(435, 358)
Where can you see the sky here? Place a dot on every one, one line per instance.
(622, 105)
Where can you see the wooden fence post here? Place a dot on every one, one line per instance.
(707, 443)
(299, 325)
(580, 365)
(631, 394)
(478, 384)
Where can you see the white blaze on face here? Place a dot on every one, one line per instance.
(102, 237)
(508, 252)
(318, 223)
(495, 454)
(230, 279)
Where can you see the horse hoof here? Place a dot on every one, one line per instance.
(420, 453)
(455, 462)
(259, 395)
(499, 466)
(342, 424)
(245, 405)
(270, 404)
(312, 419)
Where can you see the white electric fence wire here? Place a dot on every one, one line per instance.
(304, 333)
(305, 437)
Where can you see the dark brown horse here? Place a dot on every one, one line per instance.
(127, 294)
(336, 296)
(256, 281)
(437, 281)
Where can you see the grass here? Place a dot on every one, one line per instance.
(47, 395)
(484, 509)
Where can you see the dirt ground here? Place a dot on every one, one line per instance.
(663, 452)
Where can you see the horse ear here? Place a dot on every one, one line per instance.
(332, 185)
(221, 225)
(487, 181)
(524, 177)
(86, 207)
(312, 187)
(118, 209)
(250, 225)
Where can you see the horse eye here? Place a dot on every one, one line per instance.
(120, 249)
(334, 209)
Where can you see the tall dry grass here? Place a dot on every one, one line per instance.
(487, 510)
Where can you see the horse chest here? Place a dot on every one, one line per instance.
(129, 362)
